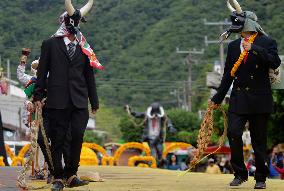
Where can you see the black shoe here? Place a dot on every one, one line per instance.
(237, 181)
(57, 185)
(49, 179)
(74, 181)
(260, 185)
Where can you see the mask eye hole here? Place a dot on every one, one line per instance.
(72, 22)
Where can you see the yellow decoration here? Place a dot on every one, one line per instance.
(9, 151)
(96, 147)
(143, 165)
(24, 150)
(131, 145)
(16, 160)
(2, 161)
(242, 56)
(107, 161)
(132, 160)
(175, 146)
(88, 157)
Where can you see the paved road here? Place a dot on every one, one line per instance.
(8, 177)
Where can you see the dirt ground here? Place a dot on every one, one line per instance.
(145, 179)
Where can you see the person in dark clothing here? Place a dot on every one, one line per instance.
(67, 61)
(156, 125)
(247, 66)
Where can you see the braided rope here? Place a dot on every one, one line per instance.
(35, 126)
(205, 134)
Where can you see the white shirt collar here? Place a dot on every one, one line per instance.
(67, 41)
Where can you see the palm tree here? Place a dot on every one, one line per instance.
(2, 144)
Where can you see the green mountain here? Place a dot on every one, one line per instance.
(136, 41)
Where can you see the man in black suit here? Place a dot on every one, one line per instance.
(69, 71)
(251, 97)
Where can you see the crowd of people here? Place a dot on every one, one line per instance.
(220, 164)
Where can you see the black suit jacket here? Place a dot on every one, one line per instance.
(251, 93)
(68, 81)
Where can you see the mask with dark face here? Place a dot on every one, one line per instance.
(238, 18)
(238, 22)
(155, 109)
(72, 22)
(74, 16)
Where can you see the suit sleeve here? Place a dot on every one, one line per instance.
(269, 54)
(43, 67)
(226, 81)
(92, 89)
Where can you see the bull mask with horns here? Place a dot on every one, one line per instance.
(242, 21)
(74, 16)
(69, 25)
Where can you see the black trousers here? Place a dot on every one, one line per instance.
(258, 133)
(62, 121)
(41, 143)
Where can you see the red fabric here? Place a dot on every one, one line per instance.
(280, 171)
(246, 57)
(154, 123)
(222, 150)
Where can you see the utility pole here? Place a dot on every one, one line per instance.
(221, 25)
(189, 61)
(8, 70)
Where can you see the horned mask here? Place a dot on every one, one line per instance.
(74, 16)
(242, 21)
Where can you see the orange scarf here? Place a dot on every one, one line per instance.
(242, 56)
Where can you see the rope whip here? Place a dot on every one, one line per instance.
(36, 125)
(205, 134)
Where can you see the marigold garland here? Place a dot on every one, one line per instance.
(132, 160)
(130, 145)
(143, 165)
(2, 161)
(175, 146)
(96, 147)
(107, 161)
(242, 56)
(24, 150)
(88, 157)
(18, 159)
(9, 151)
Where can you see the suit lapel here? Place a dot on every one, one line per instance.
(63, 47)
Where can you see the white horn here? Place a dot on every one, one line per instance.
(162, 112)
(237, 7)
(84, 10)
(148, 113)
(69, 7)
(230, 6)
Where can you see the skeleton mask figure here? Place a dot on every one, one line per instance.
(242, 21)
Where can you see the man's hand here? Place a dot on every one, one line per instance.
(246, 45)
(127, 109)
(212, 105)
(94, 111)
(38, 104)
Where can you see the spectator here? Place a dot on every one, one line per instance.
(273, 159)
(212, 168)
(225, 166)
(279, 170)
(251, 165)
(173, 165)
